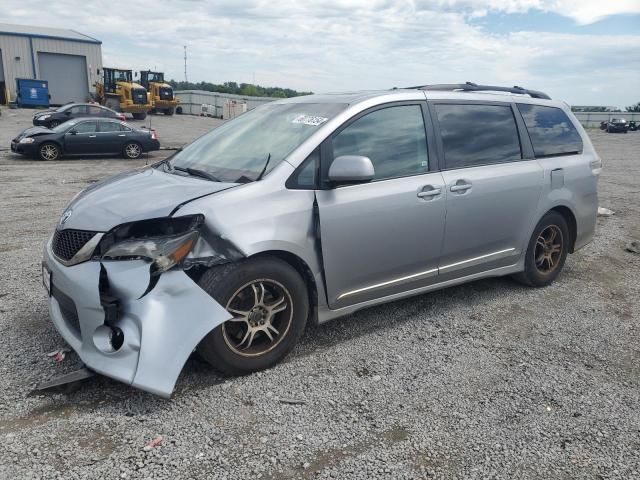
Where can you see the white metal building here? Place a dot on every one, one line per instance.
(191, 101)
(70, 61)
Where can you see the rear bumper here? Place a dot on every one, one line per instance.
(153, 145)
(160, 328)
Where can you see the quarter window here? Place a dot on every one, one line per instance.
(476, 134)
(550, 130)
(393, 138)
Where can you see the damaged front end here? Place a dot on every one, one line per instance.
(126, 302)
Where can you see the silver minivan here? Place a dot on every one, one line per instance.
(308, 209)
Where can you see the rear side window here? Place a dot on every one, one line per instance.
(476, 134)
(550, 130)
(393, 138)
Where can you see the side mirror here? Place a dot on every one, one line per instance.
(348, 169)
(73, 132)
(67, 113)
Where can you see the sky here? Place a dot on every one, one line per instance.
(586, 52)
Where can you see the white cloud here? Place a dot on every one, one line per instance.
(360, 44)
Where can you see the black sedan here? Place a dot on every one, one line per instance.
(92, 136)
(53, 118)
(617, 125)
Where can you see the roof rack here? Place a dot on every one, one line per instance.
(473, 87)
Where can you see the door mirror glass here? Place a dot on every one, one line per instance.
(349, 169)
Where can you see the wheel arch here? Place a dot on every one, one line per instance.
(572, 223)
(56, 142)
(305, 272)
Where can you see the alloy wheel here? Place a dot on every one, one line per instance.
(132, 150)
(548, 249)
(49, 152)
(263, 312)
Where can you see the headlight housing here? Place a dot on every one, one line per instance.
(43, 117)
(27, 140)
(163, 252)
(165, 241)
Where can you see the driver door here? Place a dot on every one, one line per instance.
(383, 237)
(84, 140)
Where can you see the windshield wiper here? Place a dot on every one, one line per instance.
(264, 169)
(198, 173)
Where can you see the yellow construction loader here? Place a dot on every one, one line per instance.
(160, 92)
(119, 92)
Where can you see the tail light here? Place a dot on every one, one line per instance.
(154, 134)
(596, 166)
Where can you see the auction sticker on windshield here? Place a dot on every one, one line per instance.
(309, 120)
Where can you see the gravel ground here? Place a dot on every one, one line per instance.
(486, 380)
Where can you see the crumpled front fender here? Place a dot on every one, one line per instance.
(172, 318)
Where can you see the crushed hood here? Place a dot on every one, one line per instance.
(136, 195)
(33, 131)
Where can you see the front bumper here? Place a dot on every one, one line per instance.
(24, 148)
(160, 328)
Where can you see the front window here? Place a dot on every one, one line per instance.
(239, 150)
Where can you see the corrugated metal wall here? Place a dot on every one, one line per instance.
(191, 101)
(13, 46)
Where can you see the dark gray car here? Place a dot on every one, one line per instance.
(85, 136)
(311, 208)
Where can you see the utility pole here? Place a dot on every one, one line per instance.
(185, 64)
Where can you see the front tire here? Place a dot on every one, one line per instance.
(49, 152)
(546, 252)
(268, 299)
(139, 115)
(53, 124)
(132, 150)
(168, 111)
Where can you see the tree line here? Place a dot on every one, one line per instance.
(246, 89)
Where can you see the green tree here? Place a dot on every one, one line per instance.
(634, 108)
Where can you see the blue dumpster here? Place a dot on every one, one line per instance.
(32, 93)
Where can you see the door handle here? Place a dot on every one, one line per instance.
(460, 187)
(122, 135)
(92, 136)
(429, 193)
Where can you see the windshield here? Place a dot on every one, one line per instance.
(239, 150)
(64, 108)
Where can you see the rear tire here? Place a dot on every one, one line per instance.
(169, 111)
(179, 110)
(269, 301)
(139, 115)
(132, 150)
(49, 152)
(546, 252)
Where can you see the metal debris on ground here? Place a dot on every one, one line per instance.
(293, 401)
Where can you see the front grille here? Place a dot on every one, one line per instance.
(139, 96)
(166, 93)
(67, 308)
(66, 243)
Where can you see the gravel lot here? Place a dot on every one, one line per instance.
(486, 380)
